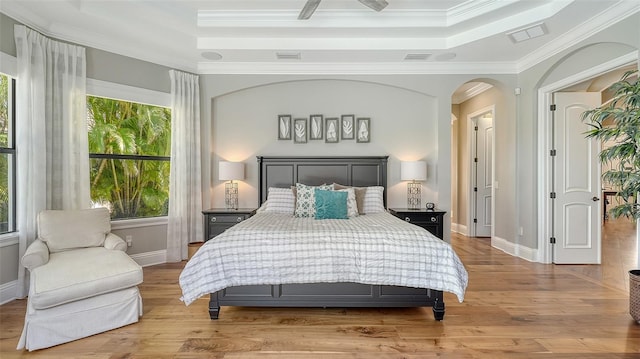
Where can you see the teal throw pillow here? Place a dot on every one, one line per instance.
(330, 204)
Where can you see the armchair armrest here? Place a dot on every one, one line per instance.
(113, 241)
(37, 254)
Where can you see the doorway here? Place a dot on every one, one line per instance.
(481, 164)
(556, 218)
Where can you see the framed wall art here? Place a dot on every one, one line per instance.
(347, 127)
(315, 127)
(363, 130)
(300, 130)
(331, 130)
(284, 127)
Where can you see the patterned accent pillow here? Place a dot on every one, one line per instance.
(352, 204)
(331, 204)
(374, 200)
(305, 200)
(280, 200)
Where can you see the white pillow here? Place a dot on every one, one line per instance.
(280, 200)
(352, 205)
(374, 200)
(306, 200)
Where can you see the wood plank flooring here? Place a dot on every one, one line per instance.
(512, 309)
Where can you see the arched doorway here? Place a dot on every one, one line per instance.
(473, 159)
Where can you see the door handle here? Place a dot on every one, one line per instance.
(595, 199)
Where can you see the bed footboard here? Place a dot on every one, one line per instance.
(327, 295)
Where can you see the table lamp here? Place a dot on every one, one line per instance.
(230, 171)
(413, 171)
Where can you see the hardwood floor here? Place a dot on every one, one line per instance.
(512, 309)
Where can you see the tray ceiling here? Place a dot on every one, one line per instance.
(342, 36)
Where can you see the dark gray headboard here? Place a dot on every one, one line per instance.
(350, 171)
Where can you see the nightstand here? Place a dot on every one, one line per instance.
(218, 220)
(431, 220)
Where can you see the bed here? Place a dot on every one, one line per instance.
(370, 260)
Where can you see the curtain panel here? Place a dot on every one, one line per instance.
(185, 183)
(52, 149)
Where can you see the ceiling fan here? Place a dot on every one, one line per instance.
(311, 6)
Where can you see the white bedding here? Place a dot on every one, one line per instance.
(272, 248)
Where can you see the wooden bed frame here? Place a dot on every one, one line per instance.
(352, 171)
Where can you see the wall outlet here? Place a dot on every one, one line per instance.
(521, 231)
(129, 240)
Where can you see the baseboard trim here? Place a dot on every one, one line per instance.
(515, 249)
(459, 228)
(150, 258)
(8, 291)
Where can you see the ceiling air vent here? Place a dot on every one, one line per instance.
(288, 55)
(416, 57)
(528, 33)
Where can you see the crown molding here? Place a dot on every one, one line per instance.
(180, 56)
(347, 18)
(387, 68)
(476, 90)
(603, 20)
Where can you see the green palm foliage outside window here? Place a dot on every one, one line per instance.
(7, 155)
(130, 148)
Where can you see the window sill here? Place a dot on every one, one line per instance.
(139, 222)
(9, 239)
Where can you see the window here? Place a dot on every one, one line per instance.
(7, 154)
(129, 150)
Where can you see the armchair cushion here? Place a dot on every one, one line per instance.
(36, 255)
(82, 273)
(68, 229)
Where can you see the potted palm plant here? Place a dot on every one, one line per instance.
(618, 121)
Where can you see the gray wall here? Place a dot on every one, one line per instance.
(505, 147)
(402, 127)
(407, 106)
(430, 112)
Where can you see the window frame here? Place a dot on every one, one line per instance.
(11, 150)
(99, 88)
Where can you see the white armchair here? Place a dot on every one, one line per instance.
(82, 281)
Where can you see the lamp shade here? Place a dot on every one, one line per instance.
(413, 170)
(229, 171)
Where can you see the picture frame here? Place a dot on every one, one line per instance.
(300, 130)
(363, 133)
(331, 130)
(316, 127)
(284, 127)
(347, 127)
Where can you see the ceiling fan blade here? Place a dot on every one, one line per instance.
(376, 5)
(308, 9)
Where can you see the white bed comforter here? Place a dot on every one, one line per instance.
(271, 248)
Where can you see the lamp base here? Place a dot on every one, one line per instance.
(231, 195)
(414, 195)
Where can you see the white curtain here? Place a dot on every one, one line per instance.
(51, 133)
(185, 191)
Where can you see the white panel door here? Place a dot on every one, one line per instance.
(577, 207)
(484, 175)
